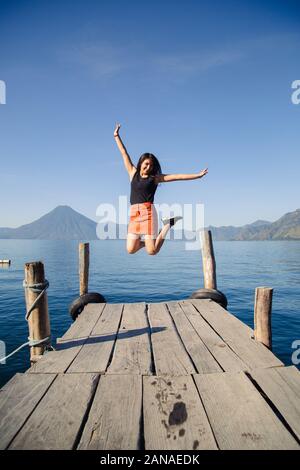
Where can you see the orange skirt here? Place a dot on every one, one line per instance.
(143, 219)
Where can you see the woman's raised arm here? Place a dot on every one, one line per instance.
(127, 160)
(181, 177)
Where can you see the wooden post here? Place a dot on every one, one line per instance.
(38, 321)
(208, 260)
(84, 262)
(262, 316)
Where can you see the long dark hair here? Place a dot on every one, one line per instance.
(156, 168)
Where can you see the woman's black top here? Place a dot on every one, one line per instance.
(142, 189)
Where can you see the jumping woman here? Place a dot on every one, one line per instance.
(145, 178)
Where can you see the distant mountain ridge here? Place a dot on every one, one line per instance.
(286, 227)
(64, 223)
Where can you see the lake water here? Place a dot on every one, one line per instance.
(173, 274)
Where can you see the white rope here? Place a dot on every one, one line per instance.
(31, 342)
(41, 289)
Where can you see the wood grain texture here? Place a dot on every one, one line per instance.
(262, 315)
(132, 354)
(239, 416)
(237, 335)
(223, 354)
(18, 399)
(114, 419)
(174, 417)
(38, 320)
(84, 263)
(71, 343)
(57, 419)
(208, 260)
(188, 402)
(170, 355)
(282, 387)
(199, 353)
(85, 323)
(95, 353)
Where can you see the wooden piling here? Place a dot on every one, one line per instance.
(38, 321)
(262, 315)
(208, 260)
(84, 262)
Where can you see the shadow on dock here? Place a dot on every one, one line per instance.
(65, 344)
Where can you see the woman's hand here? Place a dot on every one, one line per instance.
(127, 160)
(203, 173)
(116, 131)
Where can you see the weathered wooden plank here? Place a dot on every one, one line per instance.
(174, 417)
(237, 335)
(18, 399)
(71, 343)
(170, 356)
(239, 416)
(56, 361)
(227, 359)
(291, 375)
(85, 323)
(114, 418)
(244, 329)
(132, 354)
(202, 358)
(57, 419)
(96, 351)
(282, 387)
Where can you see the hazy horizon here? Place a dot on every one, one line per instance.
(96, 221)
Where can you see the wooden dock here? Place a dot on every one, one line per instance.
(175, 375)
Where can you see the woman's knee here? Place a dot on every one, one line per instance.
(151, 251)
(133, 243)
(131, 250)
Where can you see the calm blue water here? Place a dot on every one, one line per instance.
(173, 274)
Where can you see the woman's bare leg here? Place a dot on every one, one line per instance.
(153, 246)
(134, 243)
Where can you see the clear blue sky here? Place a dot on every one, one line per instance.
(197, 83)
